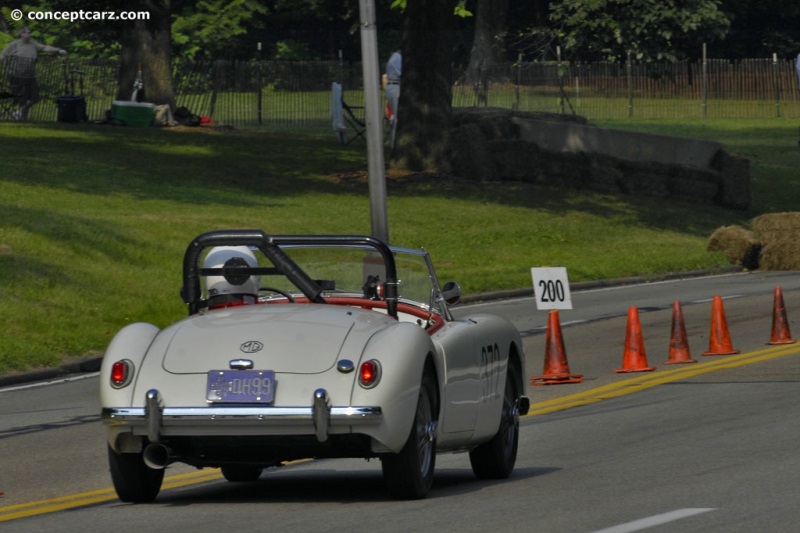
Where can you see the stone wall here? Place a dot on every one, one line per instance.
(565, 151)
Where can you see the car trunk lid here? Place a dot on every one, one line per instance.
(304, 339)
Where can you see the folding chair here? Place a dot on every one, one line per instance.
(18, 92)
(343, 114)
(7, 104)
(7, 99)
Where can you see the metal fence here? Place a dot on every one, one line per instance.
(297, 94)
(751, 88)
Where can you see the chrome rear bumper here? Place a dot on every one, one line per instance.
(156, 419)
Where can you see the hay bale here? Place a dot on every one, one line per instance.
(780, 255)
(776, 227)
(779, 236)
(738, 244)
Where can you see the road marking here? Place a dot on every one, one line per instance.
(72, 501)
(23, 510)
(656, 520)
(649, 380)
(570, 323)
(706, 300)
(588, 397)
(49, 382)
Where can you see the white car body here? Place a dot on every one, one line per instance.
(244, 387)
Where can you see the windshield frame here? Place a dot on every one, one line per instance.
(277, 250)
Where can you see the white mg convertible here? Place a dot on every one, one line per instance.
(309, 346)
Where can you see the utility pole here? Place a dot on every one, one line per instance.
(374, 118)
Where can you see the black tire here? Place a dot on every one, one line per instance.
(409, 473)
(134, 481)
(241, 473)
(495, 459)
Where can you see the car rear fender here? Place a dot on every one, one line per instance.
(501, 333)
(402, 352)
(131, 343)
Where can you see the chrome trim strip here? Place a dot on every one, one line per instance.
(339, 416)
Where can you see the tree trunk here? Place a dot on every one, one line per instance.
(488, 48)
(426, 93)
(148, 43)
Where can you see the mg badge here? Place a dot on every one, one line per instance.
(251, 347)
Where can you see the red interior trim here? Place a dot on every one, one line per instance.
(369, 305)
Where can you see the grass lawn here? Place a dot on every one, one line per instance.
(95, 219)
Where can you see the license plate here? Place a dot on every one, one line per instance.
(241, 386)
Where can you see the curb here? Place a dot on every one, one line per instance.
(77, 367)
(602, 283)
(93, 364)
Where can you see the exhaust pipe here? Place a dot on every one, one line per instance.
(156, 456)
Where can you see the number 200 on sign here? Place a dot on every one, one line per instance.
(551, 288)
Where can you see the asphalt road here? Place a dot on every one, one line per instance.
(694, 447)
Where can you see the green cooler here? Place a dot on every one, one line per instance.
(132, 113)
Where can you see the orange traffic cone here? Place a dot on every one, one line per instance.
(719, 342)
(634, 359)
(780, 326)
(556, 368)
(678, 345)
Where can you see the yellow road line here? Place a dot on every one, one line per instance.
(61, 503)
(648, 380)
(612, 390)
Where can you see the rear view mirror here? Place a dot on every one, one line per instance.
(451, 293)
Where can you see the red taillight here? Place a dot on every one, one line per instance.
(121, 373)
(369, 373)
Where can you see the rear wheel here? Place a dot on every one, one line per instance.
(241, 473)
(409, 473)
(495, 459)
(133, 480)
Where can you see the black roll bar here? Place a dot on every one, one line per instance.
(270, 247)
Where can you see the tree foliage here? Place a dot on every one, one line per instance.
(320, 29)
(207, 29)
(83, 38)
(648, 29)
(760, 29)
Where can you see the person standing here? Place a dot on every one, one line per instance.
(391, 87)
(19, 60)
(797, 67)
